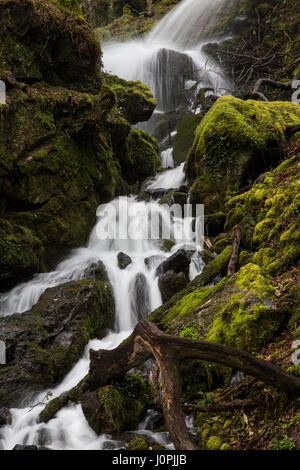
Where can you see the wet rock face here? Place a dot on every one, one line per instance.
(5, 416)
(61, 152)
(43, 344)
(177, 263)
(140, 297)
(153, 261)
(116, 408)
(123, 260)
(169, 70)
(98, 271)
(171, 283)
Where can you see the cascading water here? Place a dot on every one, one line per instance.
(167, 160)
(165, 60)
(170, 55)
(136, 294)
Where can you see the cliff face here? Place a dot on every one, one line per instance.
(65, 146)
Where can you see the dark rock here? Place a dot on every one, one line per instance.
(155, 260)
(140, 298)
(97, 270)
(43, 344)
(123, 260)
(178, 262)
(30, 447)
(171, 283)
(5, 416)
(170, 69)
(116, 408)
(24, 447)
(214, 224)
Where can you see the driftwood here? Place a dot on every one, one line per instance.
(147, 341)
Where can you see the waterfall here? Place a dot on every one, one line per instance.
(181, 27)
(170, 55)
(167, 158)
(136, 294)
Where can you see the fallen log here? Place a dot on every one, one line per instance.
(147, 341)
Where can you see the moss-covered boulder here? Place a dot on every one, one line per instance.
(43, 41)
(184, 137)
(134, 99)
(20, 253)
(116, 408)
(235, 142)
(65, 146)
(142, 158)
(171, 283)
(43, 343)
(241, 311)
(269, 216)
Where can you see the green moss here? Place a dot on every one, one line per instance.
(214, 443)
(49, 42)
(142, 158)
(116, 408)
(21, 252)
(187, 305)
(126, 24)
(139, 443)
(50, 410)
(134, 99)
(184, 137)
(236, 139)
(168, 245)
(225, 447)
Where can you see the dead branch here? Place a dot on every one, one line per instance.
(267, 81)
(169, 351)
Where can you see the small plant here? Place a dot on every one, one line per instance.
(286, 443)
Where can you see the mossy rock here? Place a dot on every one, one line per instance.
(269, 215)
(184, 137)
(214, 443)
(235, 142)
(134, 99)
(138, 443)
(49, 41)
(116, 408)
(46, 341)
(21, 253)
(239, 311)
(142, 158)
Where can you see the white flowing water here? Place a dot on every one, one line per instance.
(167, 160)
(170, 55)
(69, 429)
(168, 179)
(159, 60)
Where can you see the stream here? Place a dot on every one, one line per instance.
(152, 60)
